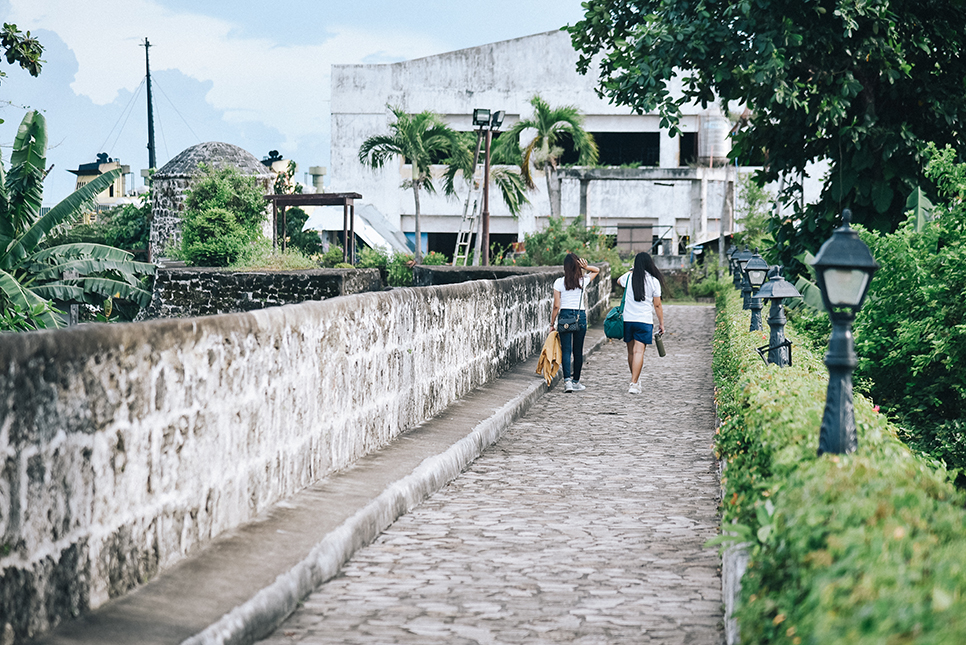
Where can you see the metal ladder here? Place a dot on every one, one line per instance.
(470, 218)
(465, 235)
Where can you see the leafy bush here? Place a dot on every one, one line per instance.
(261, 256)
(910, 335)
(331, 257)
(223, 214)
(865, 548)
(399, 270)
(434, 258)
(17, 318)
(212, 237)
(308, 242)
(551, 245)
(370, 258)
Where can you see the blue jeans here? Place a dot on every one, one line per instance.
(573, 343)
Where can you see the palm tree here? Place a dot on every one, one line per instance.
(32, 276)
(551, 126)
(420, 139)
(511, 183)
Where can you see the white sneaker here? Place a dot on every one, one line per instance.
(568, 385)
(635, 388)
(578, 386)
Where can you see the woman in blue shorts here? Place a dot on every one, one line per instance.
(641, 305)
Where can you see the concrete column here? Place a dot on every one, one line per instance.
(670, 152)
(584, 184)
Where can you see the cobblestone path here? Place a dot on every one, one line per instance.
(585, 523)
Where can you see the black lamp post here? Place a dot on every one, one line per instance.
(755, 270)
(844, 267)
(775, 291)
(487, 122)
(741, 259)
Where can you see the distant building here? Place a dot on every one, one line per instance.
(113, 194)
(651, 190)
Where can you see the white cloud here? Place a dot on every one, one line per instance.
(253, 79)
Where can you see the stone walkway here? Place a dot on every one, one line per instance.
(585, 523)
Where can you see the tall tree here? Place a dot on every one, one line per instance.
(512, 186)
(421, 140)
(553, 128)
(864, 85)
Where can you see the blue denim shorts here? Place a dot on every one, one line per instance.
(641, 332)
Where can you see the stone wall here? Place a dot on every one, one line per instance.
(123, 447)
(187, 292)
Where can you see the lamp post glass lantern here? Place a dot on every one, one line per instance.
(487, 121)
(775, 291)
(741, 259)
(755, 269)
(844, 267)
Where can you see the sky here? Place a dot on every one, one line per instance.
(252, 74)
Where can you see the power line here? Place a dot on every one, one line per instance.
(125, 114)
(174, 107)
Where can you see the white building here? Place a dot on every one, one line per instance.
(647, 184)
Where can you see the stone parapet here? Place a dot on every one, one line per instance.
(188, 292)
(123, 447)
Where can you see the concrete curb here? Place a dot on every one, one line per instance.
(263, 613)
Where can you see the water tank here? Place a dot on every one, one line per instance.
(714, 144)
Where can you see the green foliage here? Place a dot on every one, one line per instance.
(434, 258)
(370, 258)
(865, 548)
(399, 270)
(308, 242)
(17, 318)
(754, 214)
(331, 257)
(421, 139)
(703, 279)
(223, 214)
(125, 227)
(551, 245)
(911, 333)
(510, 183)
(863, 84)
(33, 273)
(261, 256)
(211, 237)
(21, 49)
(550, 127)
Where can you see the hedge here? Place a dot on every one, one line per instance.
(864, 548)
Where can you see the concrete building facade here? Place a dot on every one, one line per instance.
(647, 187)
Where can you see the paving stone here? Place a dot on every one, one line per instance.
(585, 523)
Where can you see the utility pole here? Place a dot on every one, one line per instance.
(152, 159)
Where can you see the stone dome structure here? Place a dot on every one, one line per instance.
(170, 183)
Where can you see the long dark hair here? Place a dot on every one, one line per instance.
(644, 263)
(572, 272)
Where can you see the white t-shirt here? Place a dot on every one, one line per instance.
(643, 311)
(571, 299)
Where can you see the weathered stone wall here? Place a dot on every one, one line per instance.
(187, 292)
(123, 447)
(596, 295)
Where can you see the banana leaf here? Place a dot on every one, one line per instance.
(60, 291)
(25, 181)
(83, 267)
(108, 287)
(24, 298)
(84, 249)
(69, 207)
(920, 205)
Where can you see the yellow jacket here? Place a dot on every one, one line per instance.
(551, 357)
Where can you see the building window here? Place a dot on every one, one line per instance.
(619, 149)
(689, 148)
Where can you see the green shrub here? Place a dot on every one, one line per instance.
(262, 256)
(308, 242)
(865, 548)
(211, 237)
(399, 270)
(370, 258)
(551, 245)
(331, 257)
(434, 258)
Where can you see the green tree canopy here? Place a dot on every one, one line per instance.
(863, 84)
(419, 139)
(22, 49)
(551, 127)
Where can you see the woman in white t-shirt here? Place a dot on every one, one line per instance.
(642, 304)
(569, 300)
